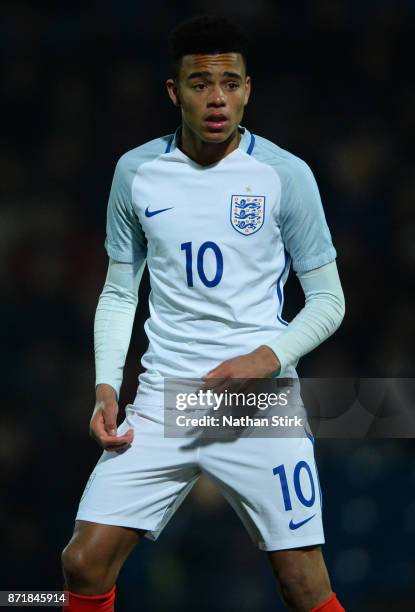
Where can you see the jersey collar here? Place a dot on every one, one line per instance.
(247, 142)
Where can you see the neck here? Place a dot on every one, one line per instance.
(206, 153)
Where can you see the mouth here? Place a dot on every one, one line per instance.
(216, 121)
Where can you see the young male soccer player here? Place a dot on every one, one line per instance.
(213, 210)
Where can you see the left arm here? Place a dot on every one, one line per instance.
(306, 238)
(319, 318)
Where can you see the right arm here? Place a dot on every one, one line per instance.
(114, 320)
(126, 246)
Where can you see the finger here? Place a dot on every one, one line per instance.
(217, 386)
(128, 436)
(118, 441)
(213, 383)
(106, 440)
(98, 430)
(110, 425)
(217, 372)
(240, 385)
(227, 388)
(224, 387)
(118, 449)
(116, 444)
(212, 373)
(110, 419)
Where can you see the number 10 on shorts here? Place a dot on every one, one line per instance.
(300, 466)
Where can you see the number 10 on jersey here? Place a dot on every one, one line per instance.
(188, 248)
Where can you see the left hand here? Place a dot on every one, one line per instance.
(260, 363)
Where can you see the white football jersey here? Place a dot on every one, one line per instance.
(219, 241)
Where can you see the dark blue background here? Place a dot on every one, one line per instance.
(332, 82)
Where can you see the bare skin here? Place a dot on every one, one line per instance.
(103, 424)
(209, 86)
(302, 577)
(94, 556)
(211, 92)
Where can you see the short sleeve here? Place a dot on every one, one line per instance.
(125, 241)
(303, 225)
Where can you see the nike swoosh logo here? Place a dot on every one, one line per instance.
(293, 525)
(151, 213)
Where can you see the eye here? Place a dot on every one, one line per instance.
(233, 85)
(199, 86)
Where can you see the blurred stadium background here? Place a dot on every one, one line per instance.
(81, 84)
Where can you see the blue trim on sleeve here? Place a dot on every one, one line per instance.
(251, 145)
(279, 289)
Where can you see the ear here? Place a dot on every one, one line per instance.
(247, 89)
(172, 90)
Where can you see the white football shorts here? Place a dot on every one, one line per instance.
(272, 483)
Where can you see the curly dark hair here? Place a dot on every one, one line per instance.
(206, 34)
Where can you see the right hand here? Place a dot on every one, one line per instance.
(103, 424)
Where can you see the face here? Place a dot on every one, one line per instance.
(212, 92)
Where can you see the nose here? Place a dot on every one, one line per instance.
(217, 97)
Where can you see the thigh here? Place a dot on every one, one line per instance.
(108, 543)
(142, 486)
(272, 483)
